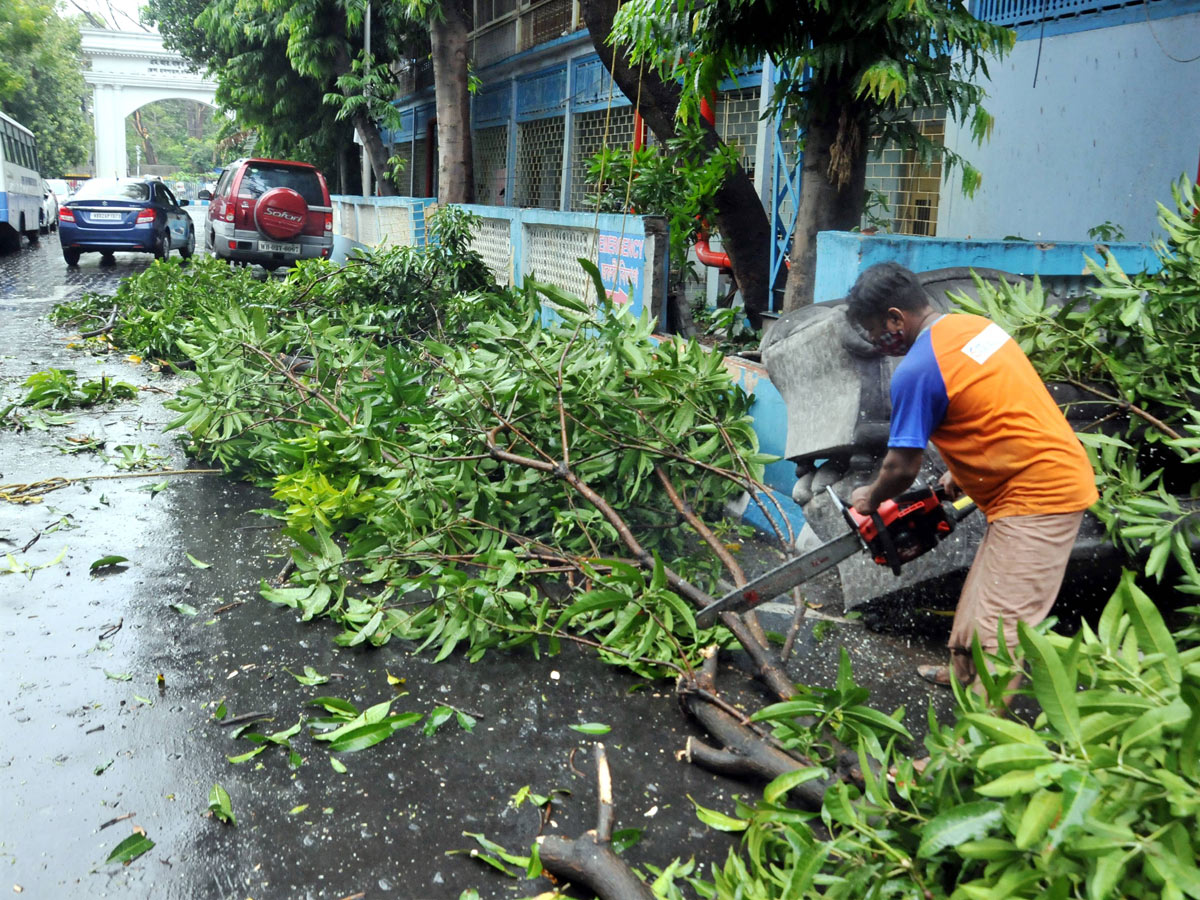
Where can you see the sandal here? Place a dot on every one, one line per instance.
(935, 674)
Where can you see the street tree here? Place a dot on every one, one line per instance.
(849, 72)
(272, 59)
(326, 40)
(449, 23)
(41, 81)
(745, 231)
(255, 80)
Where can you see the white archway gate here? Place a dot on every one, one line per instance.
(128, 70)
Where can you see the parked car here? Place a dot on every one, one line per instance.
(61, 188)
(111, 214)
(48, 218)
(269, 211)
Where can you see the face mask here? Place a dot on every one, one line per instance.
(891, 343)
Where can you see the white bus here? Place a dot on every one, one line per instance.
(20, 183)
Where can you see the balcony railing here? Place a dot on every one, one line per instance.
(1014, 13)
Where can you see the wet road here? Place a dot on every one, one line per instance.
(111, 690)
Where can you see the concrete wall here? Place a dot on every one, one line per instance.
(842, 255)
(1111, 122)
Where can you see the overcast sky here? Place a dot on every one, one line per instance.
(120, 14)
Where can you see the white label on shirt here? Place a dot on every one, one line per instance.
(984, 344)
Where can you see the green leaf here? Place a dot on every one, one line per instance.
(369, 735)
(1014, 756)
(436, 719)
(184, 609)
(118, 676)
(1151, 724)
(717, 820)
(106, 562)
(197, 563)
(1053, 689)
(246, 757)
(334, 705)
(310, 676)
(1152, 634)
(966, 822)
(591, 728)
(1003, 730)
(624, 838)
(781, 784)
(1017, 781)
(337, 765)
(130, 849)
(296, 810)
(220, 806)
(1102, 880)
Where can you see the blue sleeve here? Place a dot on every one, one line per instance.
(919, 397)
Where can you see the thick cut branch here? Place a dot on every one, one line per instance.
(590, 858)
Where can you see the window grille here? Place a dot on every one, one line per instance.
(910, 187)
(487, 11)
(546, 22)
(404, 180)
(490, 150)
(588, 140)
(737, 123)
(539, 162)
(495, 43)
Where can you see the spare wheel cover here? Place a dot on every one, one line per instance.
(280, 213)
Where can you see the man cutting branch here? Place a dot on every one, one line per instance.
(965, 385)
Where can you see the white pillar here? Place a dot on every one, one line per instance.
(110, 132)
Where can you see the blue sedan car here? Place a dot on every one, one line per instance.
(110, 214)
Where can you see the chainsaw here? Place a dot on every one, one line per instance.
(897, 532)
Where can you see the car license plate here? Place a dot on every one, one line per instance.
(271, 247)
(107, 216)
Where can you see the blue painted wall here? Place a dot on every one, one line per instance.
(1091, 127)
(842, 255)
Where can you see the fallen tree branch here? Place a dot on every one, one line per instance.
(767, 669)
(33, 492)
(103, 329)
(1129, 407)
(589, 858)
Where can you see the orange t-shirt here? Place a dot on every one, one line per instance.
(968, 387)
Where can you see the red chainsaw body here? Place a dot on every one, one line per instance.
(902, 529)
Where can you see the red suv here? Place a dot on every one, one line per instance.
(271, 212)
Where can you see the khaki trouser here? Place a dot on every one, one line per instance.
(1016, 575)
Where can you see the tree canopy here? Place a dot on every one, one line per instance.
(41, 81)
(288, 70)
(848, 71)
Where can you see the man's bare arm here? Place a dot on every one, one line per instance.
(899, 470)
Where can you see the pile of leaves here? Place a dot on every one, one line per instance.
(1131, 348)
(432, 438)
(1096, 797)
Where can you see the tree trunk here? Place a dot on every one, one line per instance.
(144, 134)
(448, 35)
(368, 131)
(195, 120)
(824, 206)
(745, 229)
